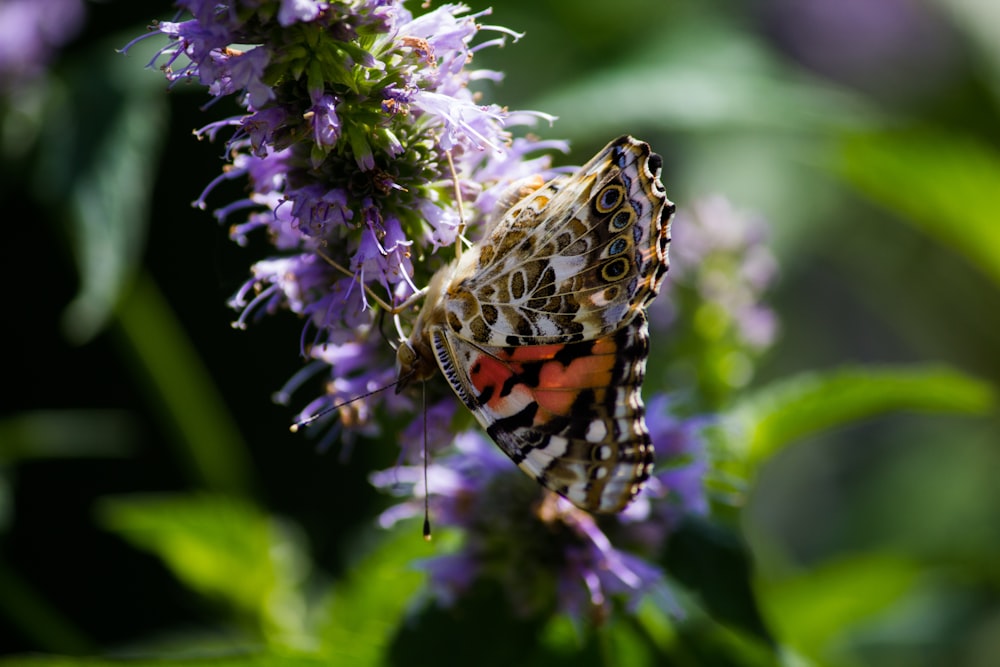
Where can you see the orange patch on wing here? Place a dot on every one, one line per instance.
(533, 352)
(559, 385)
(489, 372)
(540, 201)
(604, 346)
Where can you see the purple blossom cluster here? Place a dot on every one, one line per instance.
(475, 489)
(714, 307)
(721, 254)
(357, 115)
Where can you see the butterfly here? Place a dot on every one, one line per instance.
(541, 329)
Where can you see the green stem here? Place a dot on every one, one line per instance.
(189, 406)
(43, 625)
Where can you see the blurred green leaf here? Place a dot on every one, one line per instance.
(810, 610)
(957, 525)
(767, 420)
(695, 638)
(715, 563)
(258, 660)
(710, 76)
(365, 611)
(180, 387)
(42, 434)
(945, 185)
(479, 629)
(978, 19)
(100, 156)
(728, 114)
(36, 618)
(657, 624)
(623, 642)
(223, 548)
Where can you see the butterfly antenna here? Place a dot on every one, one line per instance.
(325, 411)
(427, 495)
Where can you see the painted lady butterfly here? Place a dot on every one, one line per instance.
(541, 327)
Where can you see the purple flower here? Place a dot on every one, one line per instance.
(31, 32)
(901, 48)
(300, 10)
(595, 572)
(720, 255)
(677, 487)
(475, 489)
(326, 124)
(383, 252)
(438, 430)
(317, 211)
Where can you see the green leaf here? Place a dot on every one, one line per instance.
(479, 630)
(623, 642)
(27, 610)
(810, 610)
(365, 611)
(188, 403)
(711, 76)
(715, 562)
(243, 660)
(945, 185)
(102, 149)
(45, 434)
(977, 21)
(225, 549)
(785, 411)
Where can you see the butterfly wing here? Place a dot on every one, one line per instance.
(541, 328)
(569, 415)
(572, 261)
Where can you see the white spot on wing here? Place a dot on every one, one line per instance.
(597, 431)
(577, 493)
(555, 448)
(537, 460)
(566, 266)
(548, 327)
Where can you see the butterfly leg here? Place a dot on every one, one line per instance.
(381, 303)
(460, 234)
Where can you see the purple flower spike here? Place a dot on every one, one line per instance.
(346, 145)
(720, 253)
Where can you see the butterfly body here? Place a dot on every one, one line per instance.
(540, 328)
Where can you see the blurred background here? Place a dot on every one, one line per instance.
(864, 133)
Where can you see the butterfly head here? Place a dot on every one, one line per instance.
(415, 358)
(413, 363)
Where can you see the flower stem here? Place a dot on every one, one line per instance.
(190, 407)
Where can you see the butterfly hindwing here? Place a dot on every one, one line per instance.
(569, 415)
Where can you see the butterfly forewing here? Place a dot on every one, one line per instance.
(571, 261)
